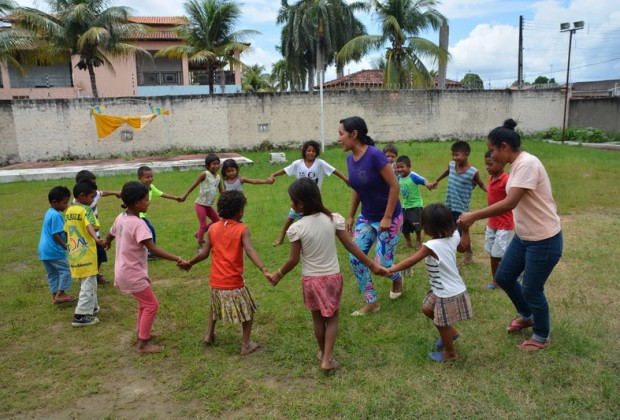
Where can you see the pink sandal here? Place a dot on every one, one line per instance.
(533, 345)
(518, 324)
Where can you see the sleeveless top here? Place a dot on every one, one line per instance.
(235, 186)
(208, 190)
(460, 187)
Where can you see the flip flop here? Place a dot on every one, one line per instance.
(439, 344)
(533, 345)
(491, 286)
(437, 356)
(519, 324)
(358, 313)
(276, 243)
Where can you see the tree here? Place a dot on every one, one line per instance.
(315, 30)
(12, 41)
(210, 38)
(254, 79)
(401, 22)
(88, 28)
(472, 81)
(542, 80)
(287, 76)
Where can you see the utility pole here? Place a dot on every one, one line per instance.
(520, 69)
(566, 27)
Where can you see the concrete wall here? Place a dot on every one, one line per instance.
(51, 129)
(601, 113)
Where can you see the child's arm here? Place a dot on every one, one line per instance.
(171, 197)
(117, 194)
(58, 238)
(464, 244)
(253, 181)
(479, 182)
(440, 177)
(355, 202)
(347, 242)
(420, 180)
(251, 252)
(158, 252)
(91, 231)
(417, 256)
(341, 176)
(272, 177)
(202, 255)
(289, 264)
(200, 178)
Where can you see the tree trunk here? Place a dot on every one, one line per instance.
(211, 76)
(93, 81)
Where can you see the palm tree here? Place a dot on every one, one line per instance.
(315, 30)
(12, 41)
(254, 79)
(287, 76)
(401, 22)
(210, 37)
(92, 29)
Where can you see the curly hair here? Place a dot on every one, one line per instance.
(230, 204)
(132, 192)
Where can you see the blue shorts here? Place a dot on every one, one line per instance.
(292, 214)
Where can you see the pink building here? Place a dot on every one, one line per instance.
(132, 76)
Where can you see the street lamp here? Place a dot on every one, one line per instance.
(566, 27)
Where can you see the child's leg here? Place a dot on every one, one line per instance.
(53, 276)
(287, 225)
(446, 333)
(418, 239)
(331, 331)
(210, 333)
(87, 301)
(201, 213)
(494, 265)
(247, 346)
(318, 322)
(147, 310)
(408, 239)
(211, 214)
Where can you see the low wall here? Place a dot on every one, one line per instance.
(54, 129)
(601, 113)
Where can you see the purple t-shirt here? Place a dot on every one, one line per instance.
(365, 178)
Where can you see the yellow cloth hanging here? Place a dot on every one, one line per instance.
(106, 124)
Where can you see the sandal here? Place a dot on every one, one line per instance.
(519, 324)
(64, 299)
(533, 345)
(439, 345)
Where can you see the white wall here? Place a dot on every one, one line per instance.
(32, 130)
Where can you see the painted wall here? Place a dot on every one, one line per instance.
(51, 129)
(601, 113)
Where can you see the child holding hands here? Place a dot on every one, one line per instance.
(448, 301)
(231, 300)
(312, 239)
(134, 243)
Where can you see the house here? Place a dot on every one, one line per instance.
(597, 89)
(370, 80)
(137, 77)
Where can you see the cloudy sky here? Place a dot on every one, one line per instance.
(483, 36)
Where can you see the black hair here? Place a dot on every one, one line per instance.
(487, 154)
(143, 169)
(229, 163)
(391, 148)
(58, 193)
(85, 175)
(84, 187)
(306, 192)
(310, 143)
(357, 124)
(230, 203)
(506, 134)
(404, 159)
(132, 192)
(437, 222)
(461, 146)
(211, 157)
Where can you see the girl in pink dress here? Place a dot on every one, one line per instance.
(134, 241)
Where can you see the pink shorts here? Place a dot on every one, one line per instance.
(322, 293)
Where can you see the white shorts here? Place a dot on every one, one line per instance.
(496, 241)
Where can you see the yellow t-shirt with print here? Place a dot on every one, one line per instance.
(82, 246)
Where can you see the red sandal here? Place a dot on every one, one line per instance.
(533, 345)
(519, 324)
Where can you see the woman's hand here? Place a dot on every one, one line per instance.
(466, 220)
(385, 224)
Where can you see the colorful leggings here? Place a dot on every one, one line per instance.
(364, 236)
(147, 309)
(203, 212)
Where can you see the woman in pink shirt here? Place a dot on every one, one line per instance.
(537, 245)
(134, 243)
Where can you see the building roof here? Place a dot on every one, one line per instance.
(369, 79)
(159, 20)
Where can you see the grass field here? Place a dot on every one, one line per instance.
(50, 369)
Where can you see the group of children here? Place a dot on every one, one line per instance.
(226, 238)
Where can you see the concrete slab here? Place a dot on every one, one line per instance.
(106, 169)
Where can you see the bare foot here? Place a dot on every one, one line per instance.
(331, 365)
(367, 309)
(209, 339)
(277, 242)
(149, 348)
(248, 348)
(319, 355)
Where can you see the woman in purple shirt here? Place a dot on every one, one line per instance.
(376, 187)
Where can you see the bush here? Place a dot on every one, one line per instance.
(583, 135)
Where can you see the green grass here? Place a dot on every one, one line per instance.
(51, 369)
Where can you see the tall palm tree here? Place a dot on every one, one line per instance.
(315, 30)
(12, 41)
(288, 76)
(92, 29)
(254, 79)
(401, 22)
(210, 38)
